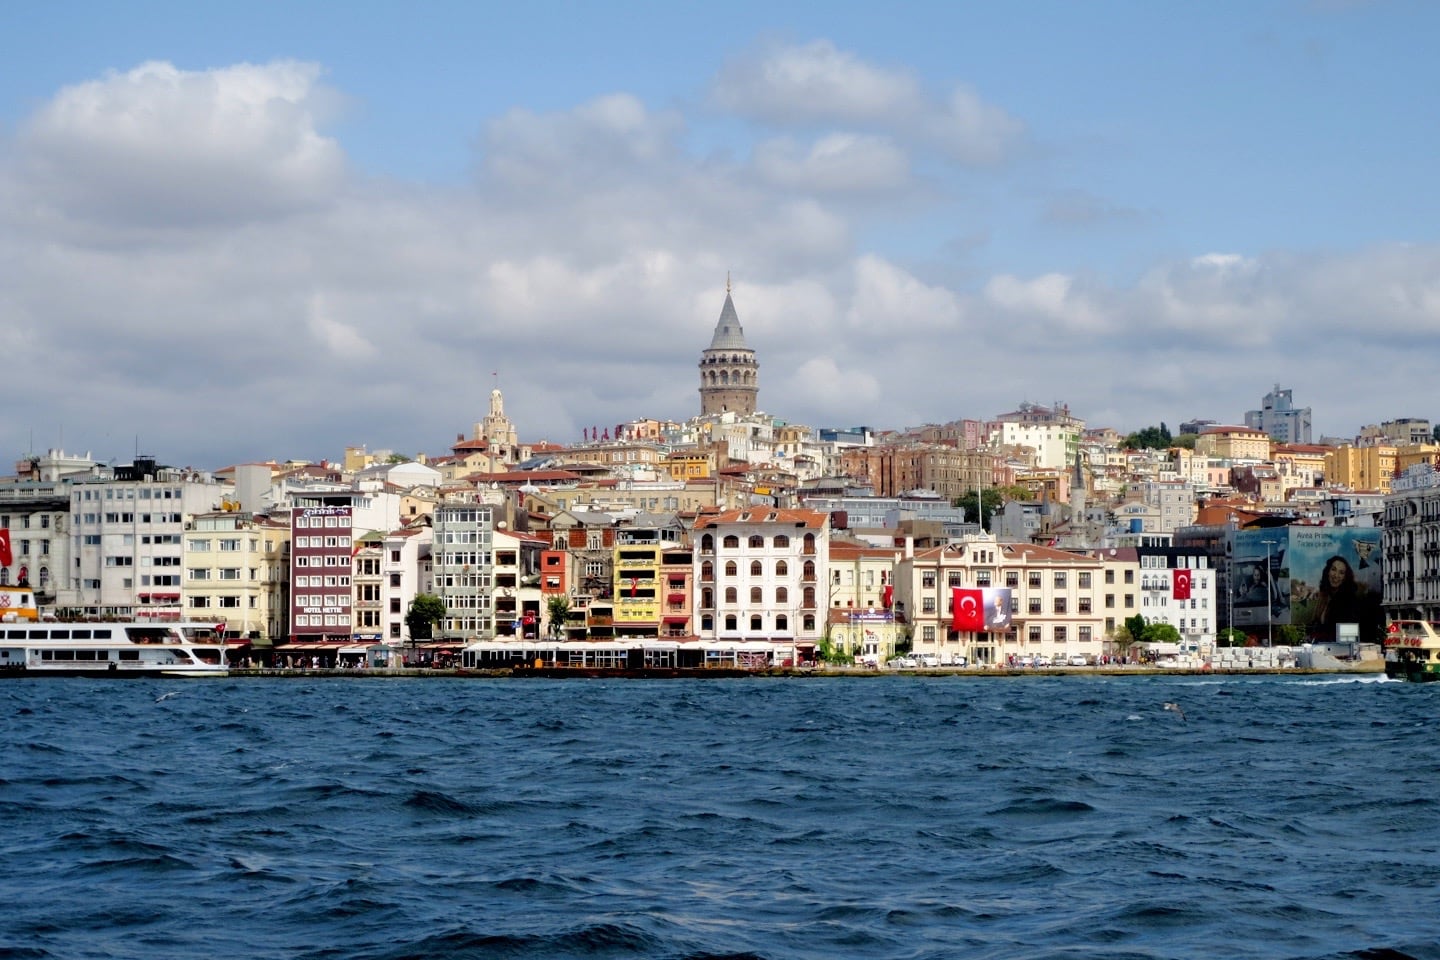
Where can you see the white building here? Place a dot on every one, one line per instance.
(127, 542)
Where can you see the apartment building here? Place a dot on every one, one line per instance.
(758, 573)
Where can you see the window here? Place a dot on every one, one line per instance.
(1059, 604)
(229, 545)
(781, 540)
(927, 634)
(1110, 576)
(982, 578)
(732, 622)
(755, 568)
(731, 542)
(1060, 579)
(755, 622)
(757, 542)
(1129, 576)
(732, 595)
(1034, 634)
(731, 569)
(1034, 579)
(199, 573)
(927, 605)
(1034, 605)
(782, 622)
(927, 579)
(782, 595)
(952, 578)
(1060, 634)
(1082, 605)
(1084, 580)
(782, 569)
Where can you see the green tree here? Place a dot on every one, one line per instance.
(1185, 440)
(1150, 438)
(1230, 637)
(991, 498)
(397, 458)
(1130, 632)
(1290, 635)
(557, 608)
(426, 610)
(1161, 633)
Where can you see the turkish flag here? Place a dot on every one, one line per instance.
(967, 609)
(888, 596)
(634, 585)
(5, 556)
(1182, 584)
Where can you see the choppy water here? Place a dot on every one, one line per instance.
(897, 817)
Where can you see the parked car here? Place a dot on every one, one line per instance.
(1042, 661)
(929, 660)
(957, 660)
(1026, 661)
(903, 663)
(1076, 660)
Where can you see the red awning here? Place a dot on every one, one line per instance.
(676, 598)
(677, 619)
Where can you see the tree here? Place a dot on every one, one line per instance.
(1230, 637)
(426, 610)
(557, 608)
(1291, 635)
(1161, 633)
(991, 498)
(1150, 438)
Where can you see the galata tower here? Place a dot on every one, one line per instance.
(729, 373)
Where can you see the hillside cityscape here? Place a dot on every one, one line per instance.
(1029, 535)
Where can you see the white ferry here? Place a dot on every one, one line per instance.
(30, 647)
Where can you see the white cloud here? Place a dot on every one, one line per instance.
(814, 82)
(587, 265)
(837, 163)
(162, 146)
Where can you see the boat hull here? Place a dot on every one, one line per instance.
(1411, 673)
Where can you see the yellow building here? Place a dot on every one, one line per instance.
(1361, 468)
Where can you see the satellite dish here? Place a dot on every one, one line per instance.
(500, 525)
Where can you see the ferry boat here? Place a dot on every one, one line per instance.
(1412, 651)
(31, 647)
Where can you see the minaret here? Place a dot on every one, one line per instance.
(729, 373)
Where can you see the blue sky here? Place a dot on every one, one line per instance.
(1151, 211)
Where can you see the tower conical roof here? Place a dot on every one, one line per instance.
(728, 333)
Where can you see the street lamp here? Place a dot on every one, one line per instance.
(1269, 596)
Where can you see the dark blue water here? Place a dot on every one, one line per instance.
(897, 817)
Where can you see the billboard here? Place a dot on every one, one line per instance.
(1312, 577)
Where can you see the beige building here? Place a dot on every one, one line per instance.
(237, 572)
(1234, 443)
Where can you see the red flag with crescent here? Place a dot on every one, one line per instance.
(967, 609)
(887, 597)
(1182, 584)
(5, 556)
(634, 585)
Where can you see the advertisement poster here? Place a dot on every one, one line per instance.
(1311, 577)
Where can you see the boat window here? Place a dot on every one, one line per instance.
(102, 634)
(59, 634)
(80, 634)
(16, 634)
(129, 654)
(64, 654)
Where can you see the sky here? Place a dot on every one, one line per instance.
(233, 232)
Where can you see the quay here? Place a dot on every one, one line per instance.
(1368, 667)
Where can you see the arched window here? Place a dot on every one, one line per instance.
(757, 542)
(730, 568)
(781, 540)
(756, 595)
(707, 571)
(808, 571)
(782, 595)
(782, 622)
(732, 542)
(707, 598)
(782, 569)
(809, 543)
(707, 623)
(809, 596)
(755, 623)
(707, 543)
(755, 568)
(732, 623)
(809, 622)
(732, 595)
